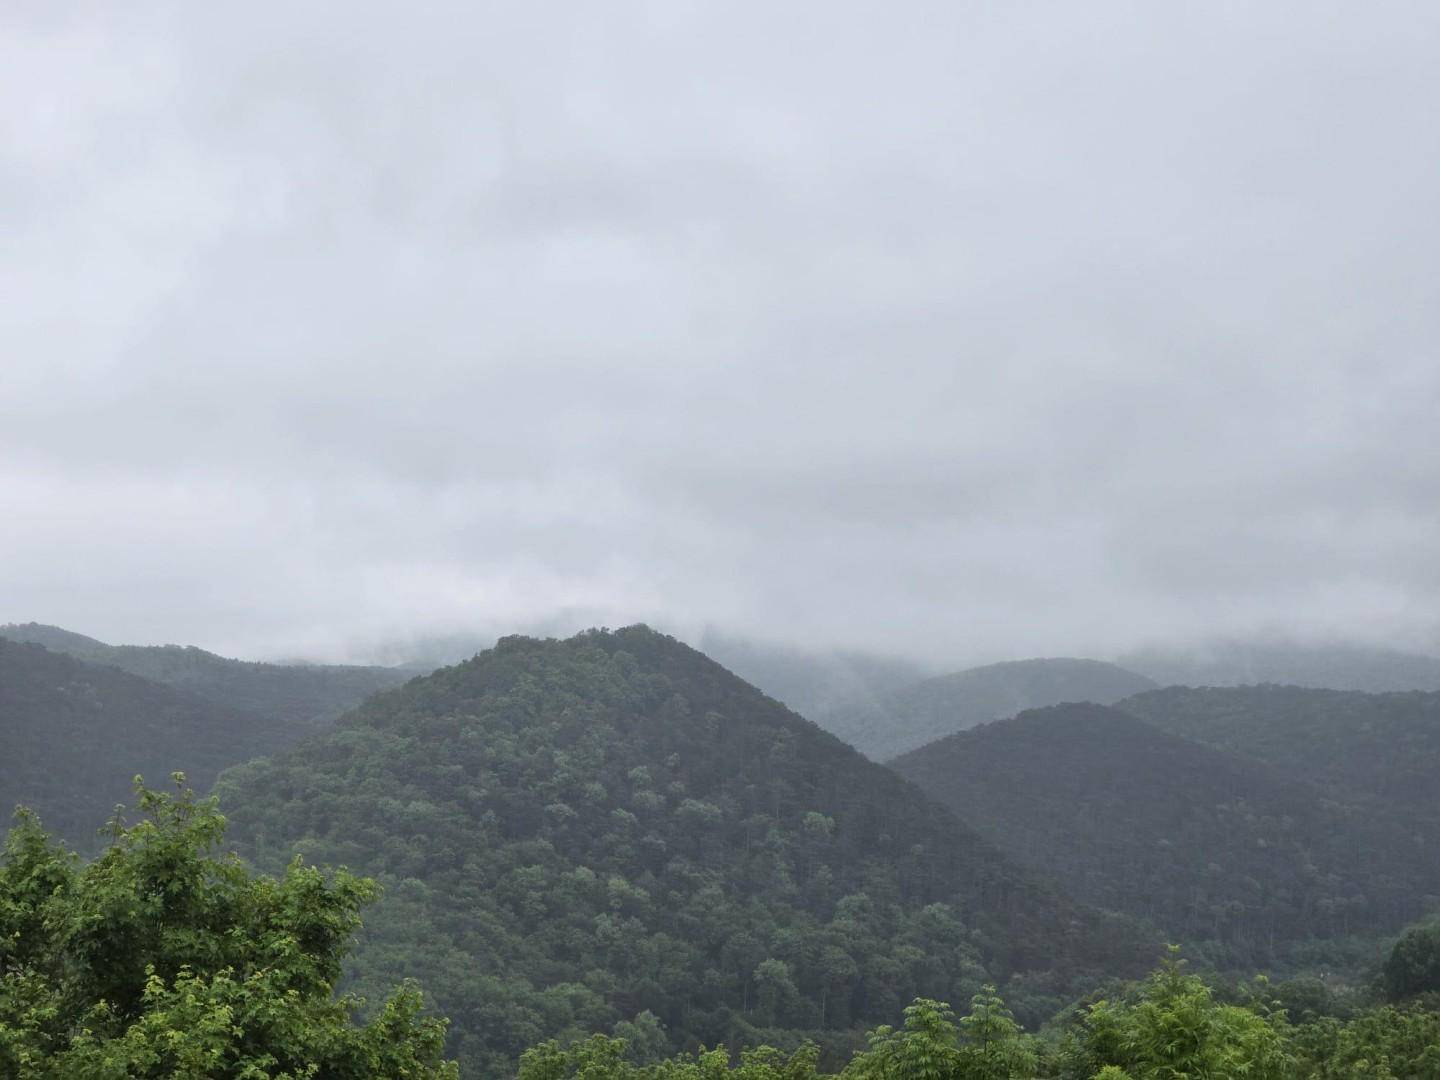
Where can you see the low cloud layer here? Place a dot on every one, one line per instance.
(957, 330)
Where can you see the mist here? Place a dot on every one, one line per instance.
(952, 332)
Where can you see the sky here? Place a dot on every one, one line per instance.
(947, 330)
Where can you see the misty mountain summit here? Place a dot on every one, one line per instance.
(304, 695)
(911, 716)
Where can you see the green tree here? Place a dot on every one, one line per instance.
(1413, 966)
(995, 1048)
(1175, 1030)
(986, 1045)
(163, 959)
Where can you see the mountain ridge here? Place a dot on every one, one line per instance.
(77, 733)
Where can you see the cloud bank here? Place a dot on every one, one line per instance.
(959, 330)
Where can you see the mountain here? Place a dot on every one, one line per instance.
(296, 694)
(808, 681)
(1328, 667)
(1381, 745)
(575, 833)
(914, 715)
(76, 734)
(1215, 848)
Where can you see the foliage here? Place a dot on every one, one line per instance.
(986, 1045)
(1381, 1044)
(160, 959)
(1170, 1027)
(1173, 1028)
(1413, 966)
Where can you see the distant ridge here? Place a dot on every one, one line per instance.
(1211, 846)
(1382, 745)
(296, 694)
(75, 734)
(914, 715)
(1326, 667)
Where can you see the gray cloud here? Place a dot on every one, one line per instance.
(965, 330)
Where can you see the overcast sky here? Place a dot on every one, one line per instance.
(963, 330)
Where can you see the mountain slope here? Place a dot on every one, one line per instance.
(1328, 667)
(76, 734)
(573, 832)
(1209, 845)
(297, 694)
(1382, 745)
(915, 715)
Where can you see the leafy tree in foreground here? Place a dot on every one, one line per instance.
(1386, 1043)
(986, 1045)
(1413, 966)
(1174, 1028)
(163, 959)
(1170, 1027)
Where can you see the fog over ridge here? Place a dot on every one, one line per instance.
(946, 331)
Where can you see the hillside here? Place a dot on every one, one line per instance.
(914, 715)
(575, 832)
(294, 693)
(1210, 846)
(1327, 667)
(76, 734)
(1381, 745)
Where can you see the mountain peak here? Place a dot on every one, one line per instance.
(680, 826)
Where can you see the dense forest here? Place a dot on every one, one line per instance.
(165, 959)
(1236, 857)
(298, 694)
(583, 833)
(912, 715)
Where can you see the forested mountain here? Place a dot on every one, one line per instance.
(576, 833)
(1382, 745)
(1232, 855)
(922, 712)
(296, 693)
(1326, 667)
(76, 734)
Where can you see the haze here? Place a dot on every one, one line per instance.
(936, 329)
